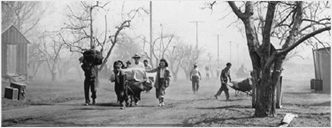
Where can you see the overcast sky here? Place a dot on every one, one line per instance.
(176, 17)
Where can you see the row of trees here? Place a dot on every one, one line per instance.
(290, 23)
(51, 48)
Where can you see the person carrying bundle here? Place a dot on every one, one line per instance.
(90, 59)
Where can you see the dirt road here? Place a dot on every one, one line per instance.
(182, 109)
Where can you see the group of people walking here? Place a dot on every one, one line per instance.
(92, 58)
(122, 90)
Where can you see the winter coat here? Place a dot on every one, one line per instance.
(167, 76)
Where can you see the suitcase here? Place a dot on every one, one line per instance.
(11, 93)
(21, 87)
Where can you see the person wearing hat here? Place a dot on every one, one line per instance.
(225, 73)
(195, 76)
(137, 63)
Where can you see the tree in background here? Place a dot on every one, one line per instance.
(25, 16)
(191, 55)
(290, 21)
(81, 28)
(51, 48)
(176, 57)
(126, 48)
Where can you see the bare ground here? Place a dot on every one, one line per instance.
(61, 104)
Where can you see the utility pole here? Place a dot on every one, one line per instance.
(151, 47)
(237, 45)
(230, 51)
(196, 34)
(161, 41)
(218, 49)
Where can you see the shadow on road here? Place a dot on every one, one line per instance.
(190, 123)
(226, 107)
(108, 104)
(327, 103)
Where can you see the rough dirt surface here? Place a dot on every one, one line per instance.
(60, 105)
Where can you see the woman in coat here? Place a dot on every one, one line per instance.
(162, 80)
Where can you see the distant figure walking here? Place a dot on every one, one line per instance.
(195, 77)
(162, 80)
(207, 70)
(225, 73)
(218, 72)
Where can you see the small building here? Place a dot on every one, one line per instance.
(322, 65)
(14, 58)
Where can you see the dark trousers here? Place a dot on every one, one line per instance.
(223, 88)
(134, 90)
(89, 83)
(121, 92)
(195, 83)
(161, 90)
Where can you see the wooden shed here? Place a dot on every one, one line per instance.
(14, 58)
(322, 65)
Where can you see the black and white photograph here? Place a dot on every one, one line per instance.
(189, 63)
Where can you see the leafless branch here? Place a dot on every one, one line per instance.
(285, 51)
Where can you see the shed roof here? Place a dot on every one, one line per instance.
(324, 48)
(12, 35)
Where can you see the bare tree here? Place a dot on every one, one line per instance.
(286, 20)
(191, 55)
(51, 47)
(159, 50)
(25, 15)
(126, 48)
(176, 57)
(81, 27)
(36, 59)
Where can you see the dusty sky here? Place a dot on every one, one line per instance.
(176, 17)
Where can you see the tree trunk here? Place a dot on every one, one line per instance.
(53, 75)
(265, 98)
(266, 89)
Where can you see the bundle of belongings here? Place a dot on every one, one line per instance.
(137, 79)
(91, 56)
(242, 86)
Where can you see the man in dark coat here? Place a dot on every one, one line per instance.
(225, 73)
(91, 58)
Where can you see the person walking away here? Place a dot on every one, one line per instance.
(225, 73)
(207, 72)
(162, 80)
(195, 77)
(119, 84)
(91, 58)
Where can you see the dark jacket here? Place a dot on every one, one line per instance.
(167, 76)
